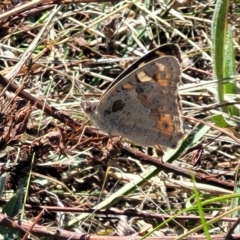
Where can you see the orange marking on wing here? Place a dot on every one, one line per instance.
(160, 81)
(166, 125)
(163, 82)
(127, 86)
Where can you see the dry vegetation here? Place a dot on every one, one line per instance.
(56, 172)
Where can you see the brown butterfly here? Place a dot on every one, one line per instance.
(142, 103)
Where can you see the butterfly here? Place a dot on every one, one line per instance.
(142, 104)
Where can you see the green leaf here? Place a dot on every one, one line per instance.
(14, 204)
(222, 122)
(11, 209)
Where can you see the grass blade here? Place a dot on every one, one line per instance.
(223, 54)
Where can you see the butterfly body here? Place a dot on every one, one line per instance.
(143, 106)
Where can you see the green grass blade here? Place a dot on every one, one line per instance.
(200, 210)
(230, 88)
(223, 53)
(2, 182)
(219, 29)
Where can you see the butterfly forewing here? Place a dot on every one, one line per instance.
(163, 50)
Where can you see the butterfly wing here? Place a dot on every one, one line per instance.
(163, 50)
(144, 106)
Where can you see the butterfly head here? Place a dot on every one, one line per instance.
(88, 107)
